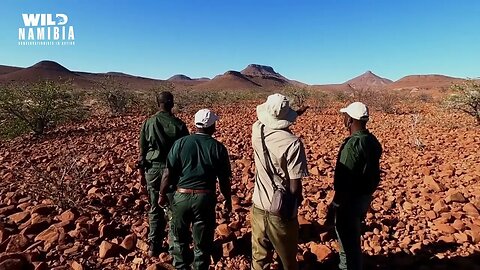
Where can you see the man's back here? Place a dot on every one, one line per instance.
(158, 134)
(288, 158)
(199, 159)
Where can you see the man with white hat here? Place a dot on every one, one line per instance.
(357, 175)
(194, 164)
(280, 163)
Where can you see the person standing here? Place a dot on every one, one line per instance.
(194, 164)
(157, 135)
(280, 164)
(357, 175)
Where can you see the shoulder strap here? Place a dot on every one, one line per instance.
(268, 160)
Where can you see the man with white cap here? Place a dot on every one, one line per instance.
(280, 163)
(194, 164)
(357, 175)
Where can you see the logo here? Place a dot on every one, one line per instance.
(46, 30)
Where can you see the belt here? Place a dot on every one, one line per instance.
(193, 191)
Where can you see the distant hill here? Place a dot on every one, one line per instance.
(179, 77)
(425, 82)
(8, 69)
(230, 80)
(368, 80)
(44, 70)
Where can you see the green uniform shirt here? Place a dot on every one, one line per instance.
(157, 136)
(197, 160)
(357, 171)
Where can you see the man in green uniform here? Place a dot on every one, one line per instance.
(194, 164)
(157, 136)
(357, 175)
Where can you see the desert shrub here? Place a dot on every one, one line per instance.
(425, 98)
(115, 95)
(37, 106)
(382, 100)
(297, 95)
(64, 184)
(340, 96)
(466, 98)
(320, 100)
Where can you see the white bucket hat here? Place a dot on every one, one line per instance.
(276, 113)
(357, 110)
(205, 118)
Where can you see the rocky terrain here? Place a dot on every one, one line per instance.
(72, 199)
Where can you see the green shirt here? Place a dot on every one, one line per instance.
(357, 171)
(197, 160)
(157, 136)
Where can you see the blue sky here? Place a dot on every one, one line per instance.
(316, 42)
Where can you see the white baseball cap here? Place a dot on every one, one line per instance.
(205, 118)
(356, 110)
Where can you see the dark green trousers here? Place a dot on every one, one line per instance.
(197, 211)
(156, 216)
(348, 219)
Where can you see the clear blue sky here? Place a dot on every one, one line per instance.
(327, 41)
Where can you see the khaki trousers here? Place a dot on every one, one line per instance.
(269, 233)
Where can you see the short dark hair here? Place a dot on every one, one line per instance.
(165, 98)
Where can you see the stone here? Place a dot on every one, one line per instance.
(322, 252)
(142, 245)
(445, 228)
(68, 216)
(129, 242)
(42, 209)
(440, 207)
(17, 243)
(108, 249)
(432, 184)
(470, 209)
(455, 197)
(20, 217)
(223, 231)
(76, 266)
(49, 235)
(228, 249)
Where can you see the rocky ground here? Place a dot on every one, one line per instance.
(72, 200)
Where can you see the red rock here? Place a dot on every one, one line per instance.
(15, 261)
(445, 228)
(165, 257)
(322, 252)
(471, 210)
(108, 249)
(17, 243)
(440, 207)
(50, 235)
(129, 242)
(228, 249)
(41, 266)
(68, 216)
(455, 197)
(160, 266)
(19, 217)
(8, 210)
(76, 266)
(458, 225)
(142, 245)
(43, 209)
(475, 236)
(432, 184)
(223, 231)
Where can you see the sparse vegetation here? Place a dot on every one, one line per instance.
(115, 95)
(466, 98)
(37, 106)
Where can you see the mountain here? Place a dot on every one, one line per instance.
(45, 70)
(368, 80)
(8, 69)
(425, 82)
(179, 77)
(230, 80)
(264, 76)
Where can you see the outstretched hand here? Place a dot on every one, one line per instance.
(302, 110)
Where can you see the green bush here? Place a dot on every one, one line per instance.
(37, 106)
(115, 96)
(466, 98)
